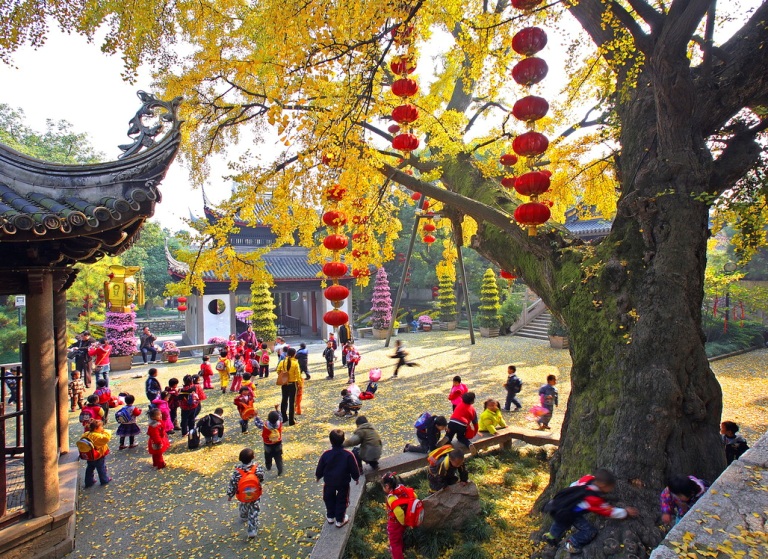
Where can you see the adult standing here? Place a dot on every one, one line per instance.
(147, 346)
(82, 359)
(290, 366)
(345, 333)
(249, 337)
(100, 353)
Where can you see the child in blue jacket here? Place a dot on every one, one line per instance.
(337, 467)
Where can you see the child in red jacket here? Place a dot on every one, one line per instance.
(272, 435)
(395, 516)
(458, 388)
(157, 443)
(463, 421)
(206, 371)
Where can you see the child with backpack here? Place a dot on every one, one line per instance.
(244, 403)
(463, 422)
(249, 384)
(206, 371)
(458, 388)
(211, 426)
(264, 361)
(126, 422)
(514, 386)
(679, 496)
(163, 404)
(105, 395)
(337, 467)
(272, 435)
(157, 438)
(445, 466)
(404, 509)
(570, 506)
(224, 368)
(735, 445)
(237, 374)
(429, 430)
(152, 387)
(94, 448)
(548, 398)
(245, 486)
(188, 402)
(91, 410)
(349, 405)
(173, 402)
(197, 382)
(302, 356)
(76, 391)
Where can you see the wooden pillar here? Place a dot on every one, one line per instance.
(43, 392)
(62, 374)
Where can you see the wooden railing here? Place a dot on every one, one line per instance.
(161, 326)
(12, 468)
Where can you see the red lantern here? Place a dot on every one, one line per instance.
(429, 239)
(508, 159)
(416, 196)
(181, 308)
(507, 275)
(547, 172)
(357, 253)
(335, 318)
(405, 114)
(361, 272)
(425, 205)
(335, 242)
(334, 218)
(401, 65)
(525, 4)
(529, 41)
(508, 182)
(335, 269)
(402, 36)
(429, 227)
(405, 142)
(336, 293)
(530, 144)
(182, 300)
(400, 257)
(335, 192)
(530, 108)
(530, 71)
(394, 128)
(533, 183)
(532, 214)
(405, 87)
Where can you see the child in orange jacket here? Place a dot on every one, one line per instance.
(157, 443)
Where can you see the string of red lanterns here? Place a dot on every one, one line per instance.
(334, 219)
(182, 304)
(402, 65)
(531, 144)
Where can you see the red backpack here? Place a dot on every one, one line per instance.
(249, 486)
(412, 505)
(265, 357)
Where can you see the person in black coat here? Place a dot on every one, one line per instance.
(337, 467)
(429, 435)
(82, 359)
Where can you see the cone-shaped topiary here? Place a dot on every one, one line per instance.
(446, 299)
(381, 309)
(489, 301)
(264, 317)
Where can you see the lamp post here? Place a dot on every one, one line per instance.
(728, 269)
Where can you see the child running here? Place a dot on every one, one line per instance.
(126, 420)
(272, 435)
(244, 403)
(245, 485)
(548, 398)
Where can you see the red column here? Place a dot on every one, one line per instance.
(313, 299)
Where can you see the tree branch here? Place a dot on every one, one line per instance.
(679, 26)
(480, 111)
(741, 154)
(653, 18)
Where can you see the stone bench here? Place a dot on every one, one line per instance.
(332, 541)
(361, 332)
(730, 518)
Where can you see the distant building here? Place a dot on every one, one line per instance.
(586, 229)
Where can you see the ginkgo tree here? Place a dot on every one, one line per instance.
(681, 115)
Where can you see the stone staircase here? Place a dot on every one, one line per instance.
(537, 328)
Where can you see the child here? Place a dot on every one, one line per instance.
(231, 346)
(126, 419)
(188, 402)
(446, 468)
(162, 404)
(395, 516)
(92, 410)
(679, 496)
(329, 354)
(152, 387)
(244, 403)
(211, 426)
(569, 506)
(463, 422)
(100, 353)
(264, 361)
(349, 405)
(173, 402)
(76, 391)
(374, 375)
(400, 355)
(735, 445)
(206, 371)
(457, 390)
(105, 395)
(491, 418)
(97, 456)
(302, 356)
(370, 447)
(157, 442)
(224, 367)
(548, 399)
(201, 395)
(353, 358)
(272, 435)
(237, 375)
(332, 341)
(245, 485)
(514, 386)
(249, 384)
(299, 393)
(428, 435)
(337, 467)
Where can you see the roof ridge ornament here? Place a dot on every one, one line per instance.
(147, 124)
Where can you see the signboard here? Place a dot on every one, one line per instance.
(21, 300)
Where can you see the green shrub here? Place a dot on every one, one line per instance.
(477, 530)
(470, 550)
(489, 301)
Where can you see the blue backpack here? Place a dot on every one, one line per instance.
(421, 422)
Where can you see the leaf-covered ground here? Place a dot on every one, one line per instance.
(182, 511)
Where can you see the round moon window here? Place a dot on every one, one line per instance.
(217, 306)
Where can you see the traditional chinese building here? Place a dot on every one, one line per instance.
(52, 218)
(298, 293)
